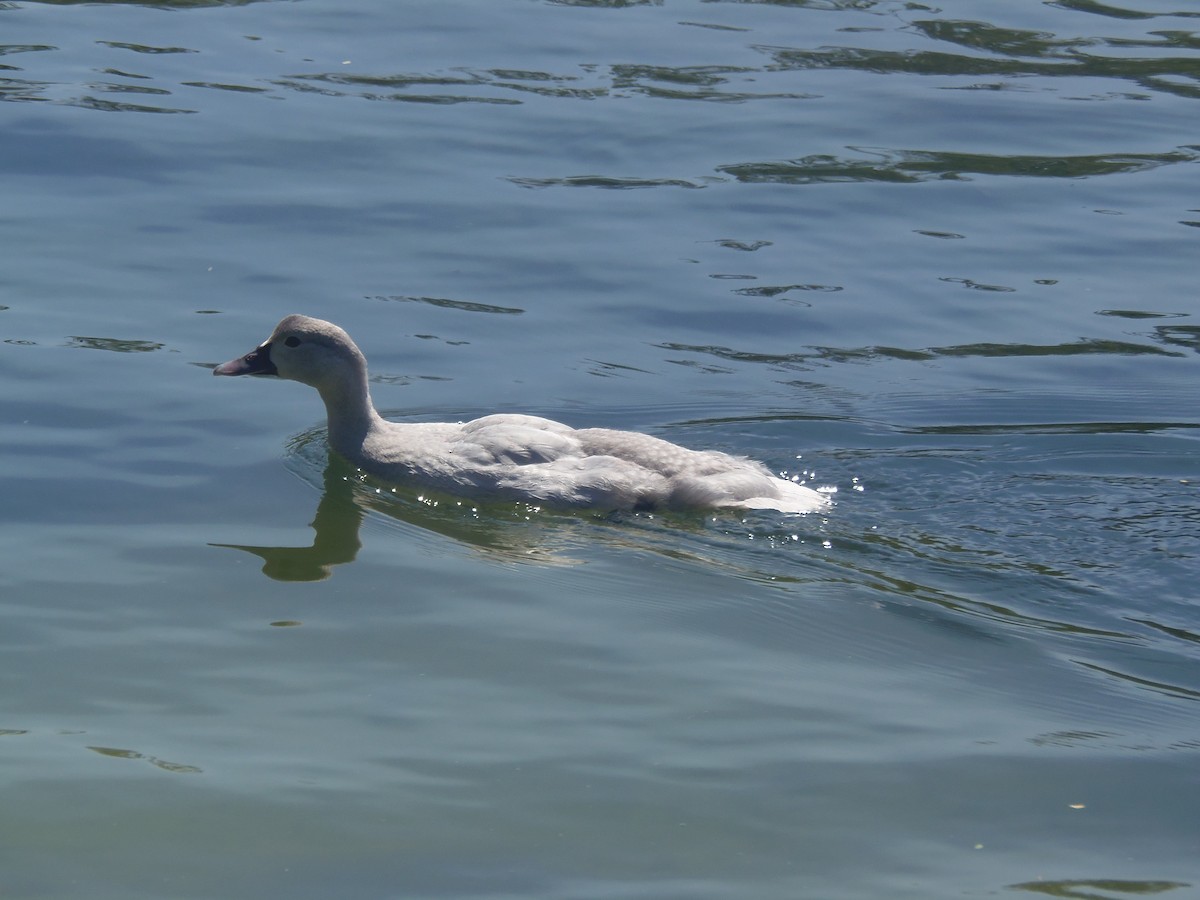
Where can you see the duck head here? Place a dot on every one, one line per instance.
(311, 351)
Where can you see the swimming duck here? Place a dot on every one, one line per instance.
(510, 456)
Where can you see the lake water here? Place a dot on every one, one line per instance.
(942, 259)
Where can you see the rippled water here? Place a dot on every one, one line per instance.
(942, 259)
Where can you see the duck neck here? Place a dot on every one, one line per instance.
(351, 416)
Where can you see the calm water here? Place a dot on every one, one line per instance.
(942, 259)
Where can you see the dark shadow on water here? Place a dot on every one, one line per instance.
(1098, 889)
(159, 4)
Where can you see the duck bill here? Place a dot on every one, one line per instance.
(256, 362)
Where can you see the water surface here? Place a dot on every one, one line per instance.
(940, 259)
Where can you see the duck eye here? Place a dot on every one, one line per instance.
(292, 341)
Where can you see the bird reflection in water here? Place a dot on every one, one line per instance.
(513, 532)
(336, 541)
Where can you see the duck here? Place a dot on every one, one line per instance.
(508, 456)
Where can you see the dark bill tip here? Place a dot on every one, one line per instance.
(256, 362)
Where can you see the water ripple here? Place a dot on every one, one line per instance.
(914, 166)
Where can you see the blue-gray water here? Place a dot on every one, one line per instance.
(943, 259)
